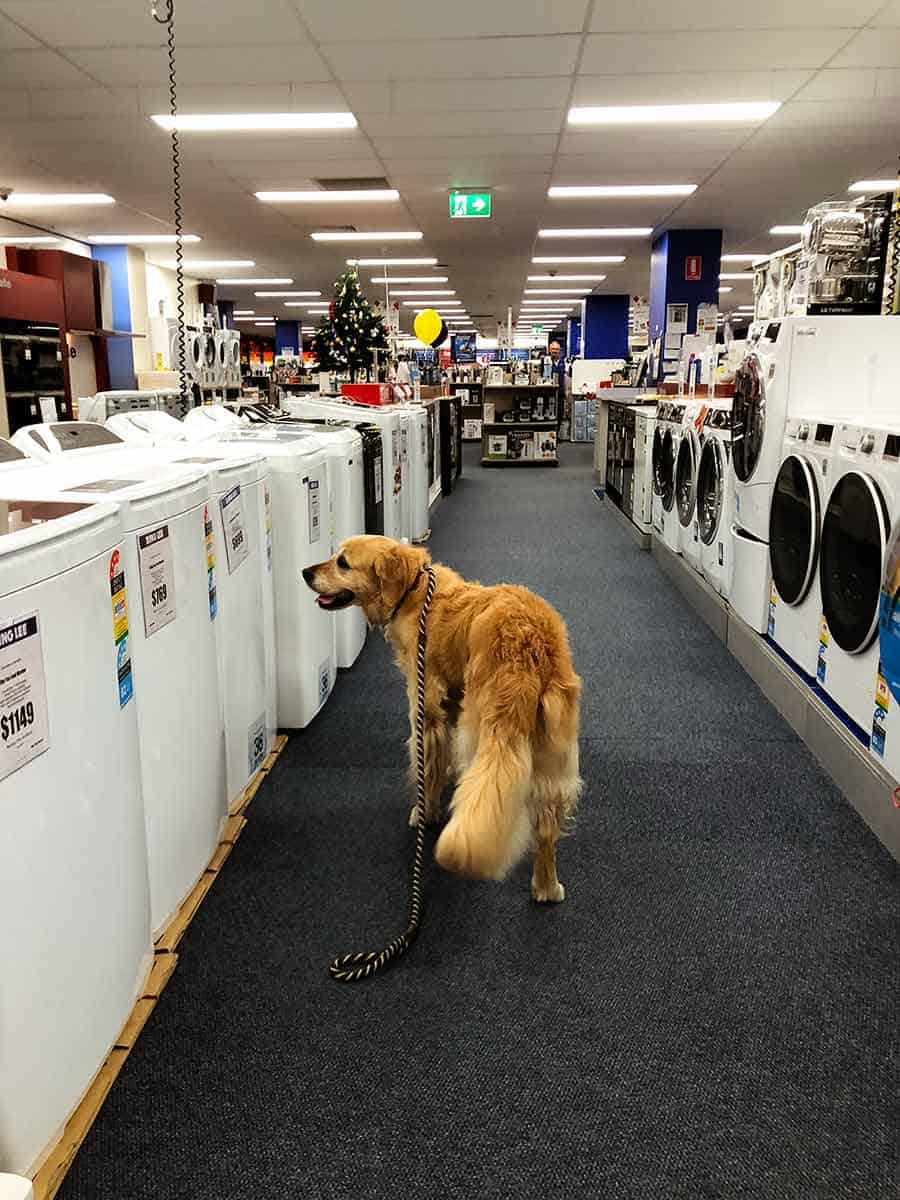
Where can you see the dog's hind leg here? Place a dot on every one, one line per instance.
(552, 801)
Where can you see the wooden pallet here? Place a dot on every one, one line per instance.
(55, 1165)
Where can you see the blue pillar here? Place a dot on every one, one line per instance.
(287, 337)
(226, 313)
(684, 269)
(574, 339)
(605, 328)
(120, 352)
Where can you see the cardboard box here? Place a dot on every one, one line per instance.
(545, 444)
(472, 428)
(368, 393)
(497, 445)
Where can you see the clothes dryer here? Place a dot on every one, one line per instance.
(715, 498)
(856, 523)
(75, 943)
(795, 525)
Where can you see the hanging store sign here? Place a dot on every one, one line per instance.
(470, 204)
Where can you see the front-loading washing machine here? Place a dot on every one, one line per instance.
(666, 440)
(220, 339)
(641, 492)
(795, 525)
(164, 512)
(75, 944)
(687, 461)
(715, 497)
(856, 523)
(232, 361)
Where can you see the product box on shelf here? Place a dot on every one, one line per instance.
(545, 444)
(496, 447)
(368, 393)
(489, 412)
(472, 428)
(520, 444)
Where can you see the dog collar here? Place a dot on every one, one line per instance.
(412, 587)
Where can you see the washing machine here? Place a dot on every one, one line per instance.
(666, 440)
(305, 635)
(104, 404)
(885, 738)
(388, 421)
(715, 497)
(166, 517)
(641, 492)
(220, 338)
(75, 944)
(14, 1187)
(194, 353)
(417, 471)
(209, 420)
(795, 525)
(232, 360)
(856, 523)
(687, 460)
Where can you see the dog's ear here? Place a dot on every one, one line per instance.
(397, 568)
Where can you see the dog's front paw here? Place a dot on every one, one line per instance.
(548, 895)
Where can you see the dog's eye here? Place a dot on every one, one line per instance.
(342, 563)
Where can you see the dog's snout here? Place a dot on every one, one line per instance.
(309, 574)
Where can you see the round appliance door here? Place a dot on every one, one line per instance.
(854, 540)
(656, 461)
(686, 477)
(748, 426)
(794, 524)
(889, 636)
(710, 489)
(667, 472)
(221, 353)
(196, 345)
(209, 351)
(235, 352)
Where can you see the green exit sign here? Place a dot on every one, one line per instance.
(470, 204)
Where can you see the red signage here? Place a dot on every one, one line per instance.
(693, 268)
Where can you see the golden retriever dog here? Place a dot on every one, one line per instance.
(501, 703)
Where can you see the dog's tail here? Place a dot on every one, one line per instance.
(489, 828)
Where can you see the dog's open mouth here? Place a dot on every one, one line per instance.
(339, 600)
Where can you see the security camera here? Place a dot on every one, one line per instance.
(6, 192)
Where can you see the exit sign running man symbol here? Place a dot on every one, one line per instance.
(470, 204)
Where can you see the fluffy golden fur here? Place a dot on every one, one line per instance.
(501, 703)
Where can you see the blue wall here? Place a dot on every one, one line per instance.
(287, 337)
(119, 350)
(605, 331)
(668, 284)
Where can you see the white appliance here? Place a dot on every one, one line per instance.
(666, 439)
(417, 472)
(14, 1187)
(687, 460)
(194, 353)
(795, 524)
(232, 360)
(220, 339)
(165, 514)
(641, 500)
(209, 420)
(715, 498)
(388, 421)
(305, 635)
(75, 942)
(856, 523)
(885, 740)
(104, 404)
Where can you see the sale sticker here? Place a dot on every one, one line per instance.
(119, 595)
(256, 744)
(210, 562)
(24, 725)
(157, 572)
(236, 545)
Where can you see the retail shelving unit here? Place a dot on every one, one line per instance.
(471, 397)
(527, 437)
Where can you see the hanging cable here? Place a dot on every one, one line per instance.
(164, 14)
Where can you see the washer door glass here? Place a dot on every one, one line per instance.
(667, 472)
(794, 522)
(710, 490)
(854, 541)
(686, 478)
(210, 351)
(748, 418)
(196, 351)
(889, 637)
(657, 461)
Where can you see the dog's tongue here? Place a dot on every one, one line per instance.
(324, 601)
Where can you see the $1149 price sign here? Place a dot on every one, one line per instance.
(24, 729)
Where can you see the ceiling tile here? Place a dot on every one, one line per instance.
(887, 83)
(83, 102)
(461, 124)
(729, 15)
(211, 65)
(627, 54)
(839, 85)
(859, 113)
(454, 58)
(12, 37)
(367, 97)
(871, 48)
(39, 69)
(690, 87)
(468, 147)
(71, 23)
(401, 20)
(447, 96)
(888, 16)
(464, 168)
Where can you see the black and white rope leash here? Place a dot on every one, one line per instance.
(352, 967)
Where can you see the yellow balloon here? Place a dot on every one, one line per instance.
(427, 325)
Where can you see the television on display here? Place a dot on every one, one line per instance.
(463, 347)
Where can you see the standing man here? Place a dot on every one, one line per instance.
(559, 375)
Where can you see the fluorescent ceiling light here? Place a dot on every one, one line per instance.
(306, 304)
(874, 185)
(253, 282)
(786, 230)
(748, 258)
(55, 199)
(410, 279)
(419, 303)
(671, 114)
(565, 278)
(562, 302)
(609, 191)
(140, 239)
(327, 196)
(637, 231)
(425, 292)
(27, 241)
(555, 291)
(722, 290)
(252, 318)
(744, 276)
(391, 262)
(244, 122)
(287, 293)
(746, 308)
(388, 235)
(212, 264)
(244, 312)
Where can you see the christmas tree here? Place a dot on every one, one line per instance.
(347, 338)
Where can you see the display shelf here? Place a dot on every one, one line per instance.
(520, 424)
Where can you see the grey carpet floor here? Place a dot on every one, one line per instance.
(712, 1013)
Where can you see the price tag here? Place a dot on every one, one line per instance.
(48, 409)
(157, 578)
(313, 492)
(378, 463)
(236, 545)
(24, 728)
(256, 744)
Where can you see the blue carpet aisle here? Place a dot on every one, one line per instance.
(712, 1013)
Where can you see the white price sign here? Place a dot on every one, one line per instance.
(24, 727)
(157, 572)
(236, 545)
(314, 499)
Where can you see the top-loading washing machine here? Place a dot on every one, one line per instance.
(715, 497)
(795, 524)
(104, 404)
(687, 461)
(416, 449)
(856, 523)
(75, 944)
(666, 440)
(15, 1187)
(165, 515)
